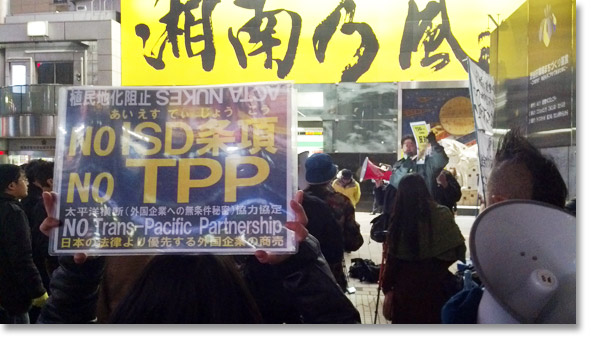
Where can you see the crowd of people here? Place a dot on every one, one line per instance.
(423, 241)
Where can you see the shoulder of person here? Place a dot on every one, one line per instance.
(441, 210)
(341, 199)
(311, 200)
(15, 206)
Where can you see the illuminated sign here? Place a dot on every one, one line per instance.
(193, 42)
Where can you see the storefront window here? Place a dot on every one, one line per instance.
(354, 118)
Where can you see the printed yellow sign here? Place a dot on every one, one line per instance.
(180, 42)
(420, 131)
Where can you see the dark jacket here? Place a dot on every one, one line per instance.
(20, 281)
(344, 213)
(421, 282)
(299, 290)
(433, 164)
(449, 195)
(33, 198)
(45, 263)
(74, 291)
(324, 227)
(429, 170)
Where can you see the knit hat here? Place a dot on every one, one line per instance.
(319, 169)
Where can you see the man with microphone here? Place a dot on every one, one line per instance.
(429, 168)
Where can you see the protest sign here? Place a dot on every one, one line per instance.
(420, 131)
(175, 170)
(482, 94)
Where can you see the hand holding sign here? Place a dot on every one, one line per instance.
(50, 222)
(297, 226)
(431, 138)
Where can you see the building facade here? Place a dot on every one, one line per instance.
(49, 44)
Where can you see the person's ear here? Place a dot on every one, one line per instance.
(11, 186)
(50, 182)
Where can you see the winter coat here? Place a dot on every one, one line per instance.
(322, 225)
(299, 290)
(343, 211)
(420, 284)
(429, 169)
(449, 195)
(20, 281)
(351, 190)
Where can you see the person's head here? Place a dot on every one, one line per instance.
(196, 289)
(412, 206)
(412, 192)
(409, 145)
(520, 171)
(454, 172)
(44, 175)
(13, 181)
(319, 169)
(346, 176)
(31, 168)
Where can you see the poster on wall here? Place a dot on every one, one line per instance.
(175, 170)
(448, 112)
(551, 58)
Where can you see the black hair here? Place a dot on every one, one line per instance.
(31, 168)
(547, 184)
(411, 212)
(9, 173)
(197, 289)
(346, 174)
(44, 172)
(408, 137)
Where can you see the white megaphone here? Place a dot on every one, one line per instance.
(525, 255)
(372, 171)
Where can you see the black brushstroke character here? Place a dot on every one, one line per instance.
(484, 58)
(366, 52)
(419, 25)
(265, 36)
(172, 31)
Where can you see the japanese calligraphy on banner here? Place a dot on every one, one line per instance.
(179, 42)
(176, 169)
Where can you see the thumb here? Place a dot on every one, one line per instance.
(261, 256)
(80, 258)
(48, 224)
(49, 202)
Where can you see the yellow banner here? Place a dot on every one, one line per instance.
(195, 42)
